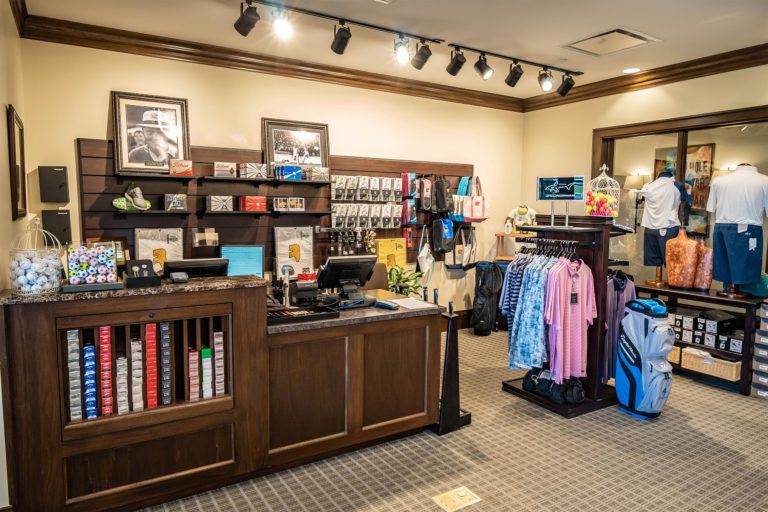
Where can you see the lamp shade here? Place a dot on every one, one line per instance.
(635, 182)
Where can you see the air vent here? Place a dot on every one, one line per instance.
(612, 41)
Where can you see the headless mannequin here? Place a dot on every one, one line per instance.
(715, 206)
(656, 218)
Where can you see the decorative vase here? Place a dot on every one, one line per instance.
(682, 255)
(703, 280)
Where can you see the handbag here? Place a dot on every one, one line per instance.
(425, 258)
(424, 194)
(454, 260)
(442, 235)
(457, 215)
(479, 207)
(469, 261)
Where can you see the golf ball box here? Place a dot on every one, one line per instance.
(91, 263)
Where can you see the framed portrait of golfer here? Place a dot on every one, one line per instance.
(149, 131)
(295, 143)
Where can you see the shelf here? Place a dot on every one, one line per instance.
(153, 212)
(238, 212)
(708, 296)
(259, 181)
(142, 175)
(514, 235)
(306, 212)
(682, 344)
(569, 229)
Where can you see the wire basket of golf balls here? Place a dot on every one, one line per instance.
(91, 263)
(35, 262)
(603, 193)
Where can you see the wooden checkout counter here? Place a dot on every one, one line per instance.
(290, 393)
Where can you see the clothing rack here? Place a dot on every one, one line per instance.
(590, 239)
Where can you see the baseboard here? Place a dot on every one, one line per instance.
(6, 509)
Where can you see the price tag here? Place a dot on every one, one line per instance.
(574, 298)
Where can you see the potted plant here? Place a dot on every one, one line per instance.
(404, 282)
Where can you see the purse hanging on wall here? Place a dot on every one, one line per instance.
(425, 258)
(479, 207)
(469, 261)
(457, 215)
(454, 260)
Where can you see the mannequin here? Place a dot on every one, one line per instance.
(662, 198)
(739, 201)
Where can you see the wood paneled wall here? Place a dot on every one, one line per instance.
(99, 185)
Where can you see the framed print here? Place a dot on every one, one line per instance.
(159, 245)
(121, 246)
(295, 143)
(293, 251)
(16, 164)
(149, 131)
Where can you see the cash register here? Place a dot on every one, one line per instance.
(347, 275)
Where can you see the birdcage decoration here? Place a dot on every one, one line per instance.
(35, 262)
(603, 193)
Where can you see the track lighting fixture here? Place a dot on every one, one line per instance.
(247, 20)
(341, 37)
(457, 61)
(483, 69)
(422, 55)
(566, 85)
(515, 73)
(545, 80)
(282, 27)
(401, 50)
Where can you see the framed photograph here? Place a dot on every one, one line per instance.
(16, 161)
(295, 143)
(121, 246)
(149, 131)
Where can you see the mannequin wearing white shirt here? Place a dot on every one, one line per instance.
(739, 201)
(662, 199)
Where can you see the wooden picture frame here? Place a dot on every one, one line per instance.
(121, 246)
(148, 132)
(16, 163)
(295, 143)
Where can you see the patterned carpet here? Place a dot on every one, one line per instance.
(707, 452)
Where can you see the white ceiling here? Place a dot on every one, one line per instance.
(531, 29)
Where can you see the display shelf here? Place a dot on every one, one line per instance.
(153, 212)
(142, 175)
(306, 212)
(259, 181)
(567, 229)
(708, 296)
(515, 386)
(705, 348)
(237, 212)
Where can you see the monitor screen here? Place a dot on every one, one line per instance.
(340, 270)
(244, 260)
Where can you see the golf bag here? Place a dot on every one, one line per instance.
(643, 373)
(488, 282)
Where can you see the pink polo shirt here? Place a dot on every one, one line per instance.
(579, 316)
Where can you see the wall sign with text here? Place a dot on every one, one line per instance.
(563, 188)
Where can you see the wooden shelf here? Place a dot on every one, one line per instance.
(259, 181)
(238, 212)
(682, 344)
(130, 175)
(708, 296)
(515, 235)
(153, 212)
(306, 212)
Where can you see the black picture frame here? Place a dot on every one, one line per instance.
(316, 133)
(156, 111)
(16, 163)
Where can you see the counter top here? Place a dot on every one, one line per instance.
(358, 316)
(201, 284)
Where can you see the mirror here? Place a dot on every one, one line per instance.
(16, 164)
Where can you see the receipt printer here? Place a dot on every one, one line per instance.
(303, 293)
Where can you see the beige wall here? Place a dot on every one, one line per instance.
(225, 108)
(558, 141)
(11, 91)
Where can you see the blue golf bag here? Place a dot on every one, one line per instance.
(643, 373)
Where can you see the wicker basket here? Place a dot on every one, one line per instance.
(674, 356)
(711, 366)
(603, 194)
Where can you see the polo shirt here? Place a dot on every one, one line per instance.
(740, 197)
(662, 199)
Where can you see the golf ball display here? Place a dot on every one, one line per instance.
(95, 264)
(35, 271)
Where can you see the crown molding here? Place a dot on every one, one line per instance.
(20, 13)
(92, 36)
(723, 62)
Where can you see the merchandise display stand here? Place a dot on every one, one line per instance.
(452, 416)
(749, 305)
(500, 239)
(593, 235)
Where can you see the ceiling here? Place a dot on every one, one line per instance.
(688, 29)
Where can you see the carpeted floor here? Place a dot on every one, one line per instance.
(707, 452)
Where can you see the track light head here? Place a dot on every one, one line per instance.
(457, 61)
(566, 85)
(422, 55)
(282, 27)
(247, 20)
(483, 69)
(545, 80)
(341, 37)
(401, 50)
(515, 73)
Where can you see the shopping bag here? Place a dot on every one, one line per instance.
(424, 257)
(479, 207)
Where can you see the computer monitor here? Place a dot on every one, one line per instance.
(348, 274)
(244, 260)
(341, 271)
